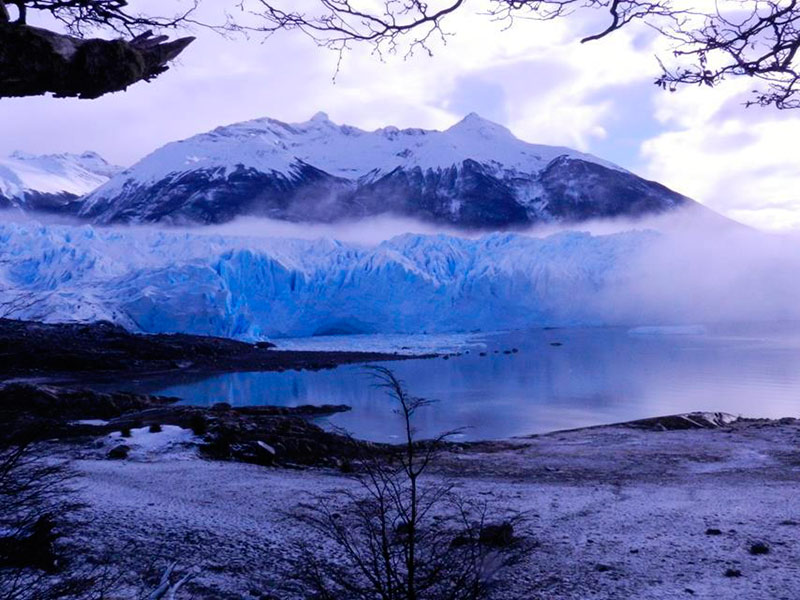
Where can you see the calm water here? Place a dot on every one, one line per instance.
(595, 376)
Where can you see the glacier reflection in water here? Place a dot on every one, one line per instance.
(558, 379)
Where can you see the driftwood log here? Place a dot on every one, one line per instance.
(36, 61)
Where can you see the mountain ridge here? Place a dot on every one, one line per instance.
(51, 183)
(473, 175)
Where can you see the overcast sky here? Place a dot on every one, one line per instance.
(534, 78)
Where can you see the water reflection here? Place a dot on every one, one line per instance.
(595, 376)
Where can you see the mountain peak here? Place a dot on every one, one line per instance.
(62, 156)
(30, 178)
(20, 155)
(474, 122)
(474, 117)
(475, 175)
(320, 117)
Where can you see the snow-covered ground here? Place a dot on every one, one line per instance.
(172, 441)
(420, 343)
(616, 513)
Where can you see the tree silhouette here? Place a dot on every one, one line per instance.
(398, 533)
(35, 61)
(711, 40)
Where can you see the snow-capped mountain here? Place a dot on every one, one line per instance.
(475, 174)
(53, 182)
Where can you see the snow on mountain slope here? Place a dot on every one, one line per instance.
(52, 182)
(157, 281)
(475, 174)
(343, 151)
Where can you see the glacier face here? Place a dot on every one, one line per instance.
(51, 182)
(475, 175)
(253, 288)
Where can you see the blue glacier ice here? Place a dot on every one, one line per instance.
(255, 288)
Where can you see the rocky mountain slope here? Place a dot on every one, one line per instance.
(474, 175)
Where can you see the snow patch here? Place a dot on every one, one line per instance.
(93, 422)
(171, 442)
(669, 330)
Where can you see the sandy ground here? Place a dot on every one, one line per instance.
(614, 512)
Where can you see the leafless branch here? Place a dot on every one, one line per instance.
(713, 40)
(398, 534)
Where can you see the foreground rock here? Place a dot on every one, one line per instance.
(29, 348)
(267, 435)
(35, 412)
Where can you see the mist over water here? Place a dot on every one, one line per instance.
(690, 266)
(739, 288)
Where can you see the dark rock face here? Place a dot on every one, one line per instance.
(468, 195)
(58, 204)
(208, 197)
(577, 190)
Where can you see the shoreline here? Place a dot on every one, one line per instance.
(612, 512)
(103, 352)
(651, 509)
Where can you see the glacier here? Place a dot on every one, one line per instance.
(251, 288)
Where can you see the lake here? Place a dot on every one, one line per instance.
(558, 379)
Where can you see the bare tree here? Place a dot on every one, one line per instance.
(398, 535)
(36, 503)
(712, 39)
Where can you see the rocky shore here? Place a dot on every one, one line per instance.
(104, 350)
(266, 435)
(611, 513)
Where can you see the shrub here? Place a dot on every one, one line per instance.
(198, 424)
(396, 537)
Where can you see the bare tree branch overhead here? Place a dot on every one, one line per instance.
(760, 40)
(36, 61)
(712, 41)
